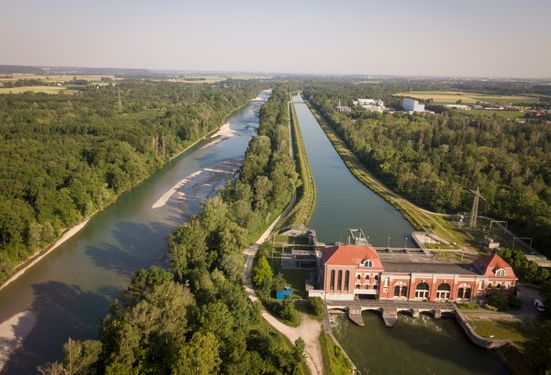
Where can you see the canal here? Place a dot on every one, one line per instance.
(342, 201)
(69, 291)
(414, 346)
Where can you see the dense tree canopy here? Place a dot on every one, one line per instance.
(62, 157)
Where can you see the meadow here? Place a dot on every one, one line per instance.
(43, 89)
(451, 97)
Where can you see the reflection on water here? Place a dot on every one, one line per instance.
(421, 345)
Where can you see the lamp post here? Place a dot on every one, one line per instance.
(388, 243)
(405, 242)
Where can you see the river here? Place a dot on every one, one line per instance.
(415, 345)
(69, 291)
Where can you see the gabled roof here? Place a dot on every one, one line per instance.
(351, 255)
(488, 264)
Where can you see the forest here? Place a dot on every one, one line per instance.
(436, 159)
(196, 318)
(63, 157)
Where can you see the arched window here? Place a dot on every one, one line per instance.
(367, 276)
(367, 263)
(498, 286)
(346, 279)
(422, 290)
(467, 294)
(358, 276)
(332, 285)
(443, 291)
(460, 292)
(339, 280)
(400, 290)
(500, 272)
(397, 291)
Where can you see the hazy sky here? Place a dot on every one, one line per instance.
(412, 37)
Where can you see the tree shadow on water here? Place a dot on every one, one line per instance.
(60, 311)
(137, 246)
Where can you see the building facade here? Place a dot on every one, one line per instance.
(356, 272)
(412, 105)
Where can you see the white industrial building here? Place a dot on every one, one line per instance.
(412, 105)
(343, 108)
(375, 105)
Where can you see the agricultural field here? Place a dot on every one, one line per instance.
(451, 97)
(491, 113)
(54, 78)
(44, 89)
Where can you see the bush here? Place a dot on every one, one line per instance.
(490, 307)
(316, 306)
(499, 301)
(288, 310)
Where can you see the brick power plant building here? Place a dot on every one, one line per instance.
(356, 272)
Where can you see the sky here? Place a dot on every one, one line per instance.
(486, 38)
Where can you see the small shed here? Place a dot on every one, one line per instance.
(281, 294)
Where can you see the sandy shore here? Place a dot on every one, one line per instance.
(33, 260)
(12, 333)
(225, 131)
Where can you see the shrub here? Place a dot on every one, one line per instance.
(288, 310)
(498, 300)
(316, 306)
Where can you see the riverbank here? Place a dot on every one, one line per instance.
(28, 263)
(419, 218)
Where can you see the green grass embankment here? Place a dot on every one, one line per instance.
(335, 362)
(305, 203)
(419, 218)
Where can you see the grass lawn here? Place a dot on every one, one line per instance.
(517, 331)
(451, 97)
(44, 89)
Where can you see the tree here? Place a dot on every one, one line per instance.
(199, 356)
(262, 275)
(81, 356)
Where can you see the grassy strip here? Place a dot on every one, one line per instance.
(517, 331)
(420, 219)
(335, 361)
(306, 193)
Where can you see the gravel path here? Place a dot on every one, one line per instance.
(309, 328)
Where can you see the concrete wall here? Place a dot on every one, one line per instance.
(483, 342)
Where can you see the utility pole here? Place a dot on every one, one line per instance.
(474, 209)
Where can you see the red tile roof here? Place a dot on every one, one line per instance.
(488, 264)
(351, 255)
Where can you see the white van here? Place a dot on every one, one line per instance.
(538, 304)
